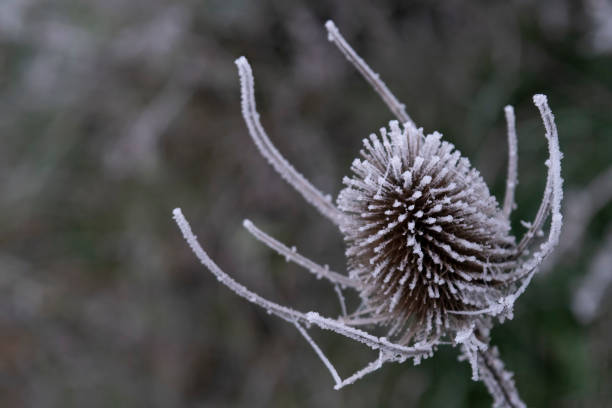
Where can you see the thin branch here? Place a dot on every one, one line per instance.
(399, 351)
(371, 341)
(553, 180)
(545, 206)
(554, 191)
(512, 178)
(320, 353)
(553, 195)
(284, 313)
(267, 149)
(370, 368)
(398, 108)
(341, 300)
(293, 256)
(340, 383)
(498, 380)
(364, 321)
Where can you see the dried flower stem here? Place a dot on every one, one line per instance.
(497, 380)
(293, 256)
(512, 178)
(249, 110)
(429, 249)
(395, 352)
(398, 108)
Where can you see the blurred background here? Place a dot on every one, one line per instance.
(112, 113)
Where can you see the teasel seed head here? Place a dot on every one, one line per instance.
(424, 235)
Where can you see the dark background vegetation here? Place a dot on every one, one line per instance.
(114, 112)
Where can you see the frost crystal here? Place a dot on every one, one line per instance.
(429, 249)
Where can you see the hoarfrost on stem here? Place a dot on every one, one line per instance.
(429, 249)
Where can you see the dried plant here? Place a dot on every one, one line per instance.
(429, 250)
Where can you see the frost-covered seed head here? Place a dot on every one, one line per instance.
(429, 250)
(425, 237)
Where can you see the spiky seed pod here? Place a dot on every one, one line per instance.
(425, 237)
